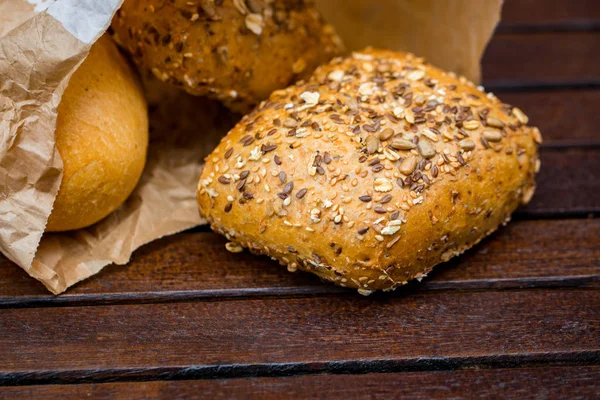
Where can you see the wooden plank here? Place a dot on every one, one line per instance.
(568, 182)
(289, 336)
(574, 382)
(196, 265)
(555, 13)
(542, 59)
(565, 117)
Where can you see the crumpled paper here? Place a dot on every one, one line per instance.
(42, 42)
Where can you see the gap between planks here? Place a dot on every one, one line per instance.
(325, 289)
(230, 371)
(573, 381)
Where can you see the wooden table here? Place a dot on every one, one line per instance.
(517, 315)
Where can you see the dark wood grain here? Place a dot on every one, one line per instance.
(542, 59)
(568, 182)
(264, 336)
(565, 117)
(577, 382)
(544, 14)
(196, 265)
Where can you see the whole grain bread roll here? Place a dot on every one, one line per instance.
(101, 136)
(371, 172)
(238, 51)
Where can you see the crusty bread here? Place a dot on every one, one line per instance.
(101, 136)
(370, 173)
(238, 51)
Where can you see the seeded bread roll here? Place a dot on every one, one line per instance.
(370, 173)
(238, 51)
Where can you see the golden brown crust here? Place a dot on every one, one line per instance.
(372, 172)
(101, 136)
(238, 51)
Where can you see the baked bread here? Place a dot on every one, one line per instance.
(101, 136)
(238, 51)
(370, 173)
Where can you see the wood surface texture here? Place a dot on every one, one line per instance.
(572, 382)
(183, 267)
(518, 316)
(542, 59)
(278, 336)
(545, 15)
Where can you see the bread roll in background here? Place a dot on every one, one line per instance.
(371, 172)
(102, 138)
(237, 51)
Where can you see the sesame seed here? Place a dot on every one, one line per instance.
(416, 75)
(290, 122)
(233, 247)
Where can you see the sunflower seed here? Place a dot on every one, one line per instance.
(492, 136)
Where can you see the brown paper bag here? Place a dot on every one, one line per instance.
(42, 42)
(450, 34)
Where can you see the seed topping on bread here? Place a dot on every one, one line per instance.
(359, 145)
